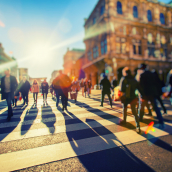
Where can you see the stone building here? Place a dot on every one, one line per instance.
(70, 59)
(7, 62)
(126, 33)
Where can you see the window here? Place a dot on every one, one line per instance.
(104, 46)
(123, 48)
(102, 10)
(163, 50)
(94, 20)
(137, 49)
(95, 52)
(149, 15)
(89, 54)
(135, 12)
(162, 19)
(119, 7)
(120, 45)
(151, 49)
(118, 48)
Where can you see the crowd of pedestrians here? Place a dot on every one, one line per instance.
(146, 83)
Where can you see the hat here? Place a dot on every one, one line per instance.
(142, 66)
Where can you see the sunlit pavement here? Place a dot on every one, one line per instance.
(87, 137)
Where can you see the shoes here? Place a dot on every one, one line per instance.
(66, 108)
(161, 126)
(138, 130)
(101, 105)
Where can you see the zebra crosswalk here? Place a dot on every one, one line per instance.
(39, 135)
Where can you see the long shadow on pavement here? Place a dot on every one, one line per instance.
(103, 154)
(7, 127)
(30, 116)
(48, 118)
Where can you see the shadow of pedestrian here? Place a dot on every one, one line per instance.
(7, 127)
(98, 149)
(48, 118)
(29, 118)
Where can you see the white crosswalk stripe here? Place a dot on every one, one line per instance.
(84, 117)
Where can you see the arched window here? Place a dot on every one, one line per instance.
(149, 15)
(102, 10)
(135, 12)
(119, 7)
(162, 19)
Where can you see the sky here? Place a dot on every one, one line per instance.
(38, 32)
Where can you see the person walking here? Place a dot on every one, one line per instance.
(114, 82)
(82, 86)
(51, 91)
(44, 87)
(159, 85)
(14, 100)
(149, 93)
(128, 85)
(105, 83)
(89, 88)
(169, 82)
(137, 77)
(75, 87)
(8, 88)
(85, 86)
(65, 84)
(57, 89)
(24, 88)
(35, 91)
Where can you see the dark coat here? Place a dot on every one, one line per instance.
(13, 86)
(44, 87)
(159, 83)
(128, 85)
(24, 87)
(148, 84)
(114, 83)
(106, 86)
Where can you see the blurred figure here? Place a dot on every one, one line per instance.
(128, 86)
(8, 88)
(44, 87)
(57, 89)
(89, 88)
(51, 91)
(82, 86)
(24, 88)
(62, 84)
(114, 82)
(159, 86)
(169, 82)
(35, 91)
(74, 89)
(105, 83)
(149, 93)
(85, 86)
(16, 95)
(137, 77)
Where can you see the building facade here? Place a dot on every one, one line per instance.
(127, 33)
(7, 62)
(70, 59)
